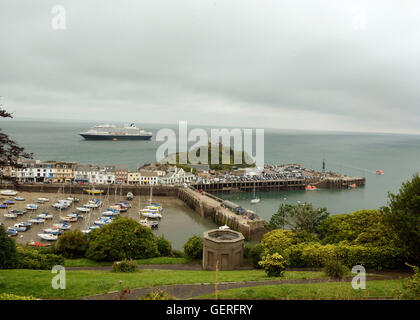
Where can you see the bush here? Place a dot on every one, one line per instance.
(193, 248)
(317, 255)
(122, 239)
(255, 255)
(32, 258)
(335, 270)
(9, 257)
(158, 294)
(411, 286)
(72, 244)
(164, 247)
(177, 253)
(10, 296)
(273, 264)
(247, 250)
(279, 239)
(125, 266)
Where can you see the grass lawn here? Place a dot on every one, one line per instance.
(83, 262)
(326, 290)
(37, 283)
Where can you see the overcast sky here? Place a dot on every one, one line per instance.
(335, 65)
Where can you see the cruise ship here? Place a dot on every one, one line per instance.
(111, 132)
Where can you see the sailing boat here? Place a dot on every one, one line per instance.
(255, 199)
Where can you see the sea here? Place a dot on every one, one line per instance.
(354, 154)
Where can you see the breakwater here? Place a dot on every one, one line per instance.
(277, 185)
(210, 206)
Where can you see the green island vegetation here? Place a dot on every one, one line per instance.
(302, 244)
(217, 165)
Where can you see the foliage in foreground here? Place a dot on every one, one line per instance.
(72, 244)
(273, 264)
(335, 270)
(10, 296)
(35, 258)
(193, 248)
(158, 294)
(300, 217)
(9, 257)
(125, 266)
(411, 286)
(402, 215)
(122, 239)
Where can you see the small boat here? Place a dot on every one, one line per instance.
(94, 191)
(62, 226)
(149, 224)
(310, 188)
(31, 206)
(380, 172)
(68, 219)
(255, 200)
(55, 231)
(352, 186)
(18, 212)
(10, 215)
(130, 196)
(26, 224)
(123, 208)
(62, 204)
(86, 231)
(75, 215)
(38, 244)
(9, 202)
(72, 199)
(102, 221)
(11, 232)
(83, 209)
(94, 227)
(3, 206)
(36, 220)
(42, 200)
(225, 227)
(48, 236)
(111, 213)
(20, 227)
(150, 214)
(19, 199)
(126, 203)
(8, 193)
(45, 215)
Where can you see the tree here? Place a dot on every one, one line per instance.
(10, 152)
(72, 244)
(9, 257)
(403, 215)
(301, 217)
(193, 248)
(122, 239)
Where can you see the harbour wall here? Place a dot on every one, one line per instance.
(158, 190)
(280, 185)
(210, 206)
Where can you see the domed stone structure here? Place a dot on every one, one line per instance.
(225, 247)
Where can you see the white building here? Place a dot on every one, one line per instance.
(177, 176)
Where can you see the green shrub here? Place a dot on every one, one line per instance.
(10, 296)
(273, 264)
(125, 266)
(9, 257)
(72, 244)
(193, 248)
(318, 255)
(122, 239)
(411, 286)
(247, 250)
(164, 247)
(335, 270)
(158, 294)
(32, 258)
(255, 255)
(177, 253)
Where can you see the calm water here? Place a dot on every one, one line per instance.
(348, 153)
